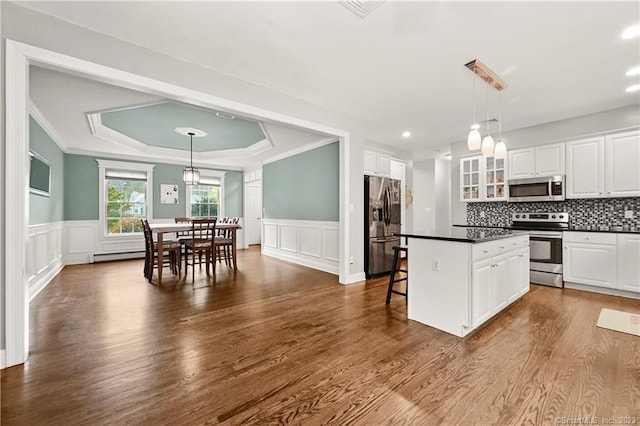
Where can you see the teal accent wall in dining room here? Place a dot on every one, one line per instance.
(304, 186)
(82, 180)
(47, 209)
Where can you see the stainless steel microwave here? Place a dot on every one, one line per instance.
(548, 188)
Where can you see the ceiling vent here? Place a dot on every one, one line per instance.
(362, 8)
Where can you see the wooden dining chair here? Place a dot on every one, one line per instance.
(200, 244)
(224, 242)
(172, 248)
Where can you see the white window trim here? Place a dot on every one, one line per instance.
(210, 174)
(103, 165)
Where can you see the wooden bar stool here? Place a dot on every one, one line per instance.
(395, 269)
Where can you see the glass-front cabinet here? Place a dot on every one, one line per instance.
(495, 185)
(483, 178)
(470, 178)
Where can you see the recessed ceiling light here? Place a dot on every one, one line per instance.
(631, 32)
(406, 134)
(633, 71)
(633, 88)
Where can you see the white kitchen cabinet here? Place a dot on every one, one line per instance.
(585, 168)
(483, 178)
(522, 163)
(377, 164)
(590, 258)
(604, 166)
(470, 178)
(483, 283)
(499, 279)
(628, 262)
(622, 165)
(546, 160)
(518, 266)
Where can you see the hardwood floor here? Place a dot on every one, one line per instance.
(280, 343)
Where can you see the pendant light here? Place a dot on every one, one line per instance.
(500, 150)
(487, 142)
(473, 140)
(191, 175)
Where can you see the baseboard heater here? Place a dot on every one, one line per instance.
(106, 257)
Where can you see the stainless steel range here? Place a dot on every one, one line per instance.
(545, 243)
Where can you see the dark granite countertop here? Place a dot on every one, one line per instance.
(474, 234)
(605, 229)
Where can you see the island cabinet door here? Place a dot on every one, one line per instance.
(500, 284)
(482, 280)
(518, 274)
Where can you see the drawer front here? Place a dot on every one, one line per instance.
(495, 248)
(590, 238)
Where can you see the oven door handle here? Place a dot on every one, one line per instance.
(555, 235)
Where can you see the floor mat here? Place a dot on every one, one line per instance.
(624, 322)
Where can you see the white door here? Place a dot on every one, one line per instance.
(482, 279)
(253, 213)
(591, 264)
(628, 265)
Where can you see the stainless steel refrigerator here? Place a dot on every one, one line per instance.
(381, 222)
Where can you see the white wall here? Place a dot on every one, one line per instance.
(2, 197)
(442, 182)
(557, 131)
(424, 196)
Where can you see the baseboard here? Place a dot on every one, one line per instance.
(300, 260)
(106, 257)
(38, 285)
(78, 258)
(602, 290)
(354, 278)
(3, 359)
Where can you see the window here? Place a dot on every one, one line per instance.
(204, 200)
(125, 198)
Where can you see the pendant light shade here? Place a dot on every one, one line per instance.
(487, 145)
(500, 150)
(191, 176)
(474, 139)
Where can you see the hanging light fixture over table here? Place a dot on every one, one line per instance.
(473, 140)
(191, 175)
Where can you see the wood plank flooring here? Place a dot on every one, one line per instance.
(280, 343)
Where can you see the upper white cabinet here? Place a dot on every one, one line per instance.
(376, 163)
(483, 178)
(604, 166)
(622, 165)
(547, 160)
(585, 168)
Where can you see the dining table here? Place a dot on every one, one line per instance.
(167, 228)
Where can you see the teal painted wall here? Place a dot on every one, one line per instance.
(43, 209)
(81, 189)
(304, 186)
(233, 194)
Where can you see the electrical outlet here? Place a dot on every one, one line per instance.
(435, 264)
(482, 214)
(628, 214)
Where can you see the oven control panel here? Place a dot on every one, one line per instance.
(538, 217)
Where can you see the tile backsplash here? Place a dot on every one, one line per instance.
(582, 213)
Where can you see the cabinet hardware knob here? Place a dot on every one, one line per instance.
(501, 247)
(484, 251)
(586, 238)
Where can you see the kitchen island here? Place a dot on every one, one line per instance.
(460, 278)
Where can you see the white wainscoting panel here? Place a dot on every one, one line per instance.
(44, 257)
(288, 238)
(81, 241)
(307, 242)
(270, 234)
(310, 241)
